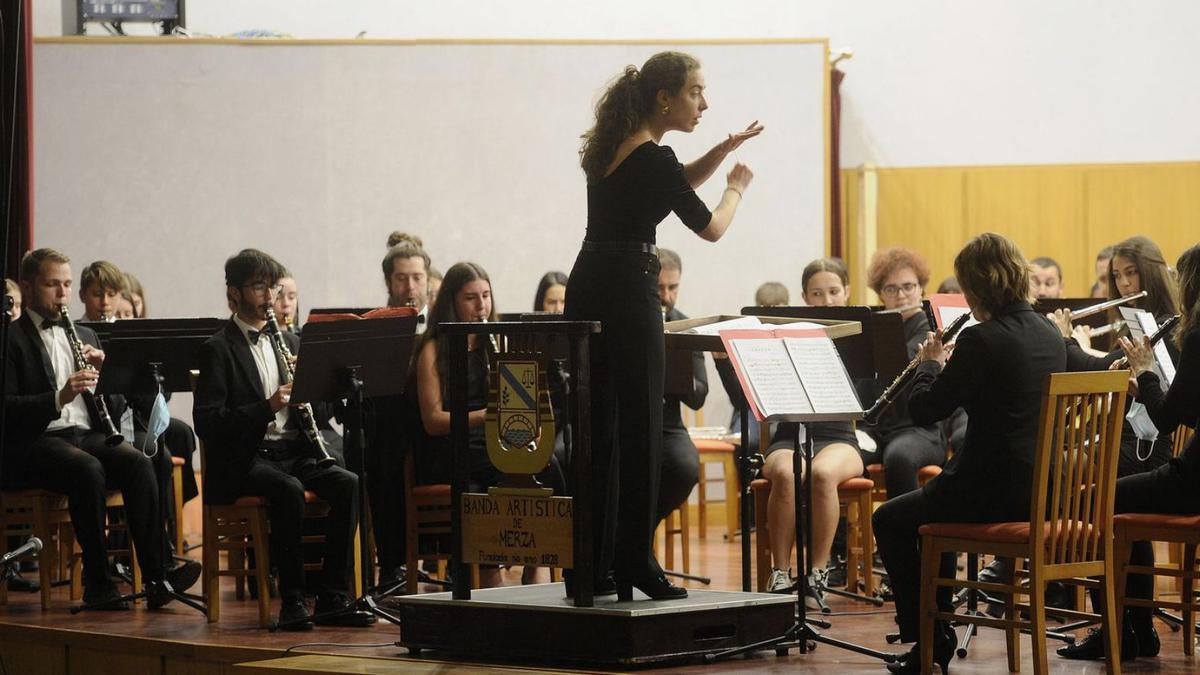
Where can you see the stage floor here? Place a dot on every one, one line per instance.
(177, 639)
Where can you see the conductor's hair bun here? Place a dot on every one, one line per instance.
(399, 237)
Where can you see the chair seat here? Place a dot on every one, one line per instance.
(177, 461)
(310, 497)
(1003, 533)
(856, 484)
(875, 469)
(760, 484)
(710, 445)
(1159, 520)
(928, 472)
(438, 490)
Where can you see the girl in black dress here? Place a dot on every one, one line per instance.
(633, 183)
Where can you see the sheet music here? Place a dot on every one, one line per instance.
(773, 380)
(1146, 325)
(949, 314)
(800, 325)
(742, 322)
(821, 372)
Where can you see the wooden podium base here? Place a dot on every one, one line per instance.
(538, 623)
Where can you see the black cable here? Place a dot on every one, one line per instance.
(339, 644)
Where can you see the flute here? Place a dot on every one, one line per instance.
(1106, 305)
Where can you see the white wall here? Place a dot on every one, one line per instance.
(932, 82)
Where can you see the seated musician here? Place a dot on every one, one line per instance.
(287, 305)
(55, 440)
(255, 446)
(406, 276)
(12, 290)
(997, 373)
(1137, 264)
(825, 282)
(551, 294)
(899, 275)
(137, 296)
(1047, 277)
(100, 287)
(680, 460)
(1173, 487)
(465, 295)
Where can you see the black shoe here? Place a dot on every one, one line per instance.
(158, 593)
(657, 588)
(104, 597)
(943, 650)
(605, 586)
(337, 610)
(293, 615)
(184, 576)
(19, 584)
(1091, 648)
(1147, 639)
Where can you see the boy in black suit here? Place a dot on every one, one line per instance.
(254, 447)
(52, 437)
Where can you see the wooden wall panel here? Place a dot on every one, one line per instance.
(1067, 212)
(87, 661)
(24, 656)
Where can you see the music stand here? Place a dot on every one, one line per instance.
(150, 357)
(354, 359)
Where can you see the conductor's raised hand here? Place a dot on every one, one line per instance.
(735, 140)
(739, 178)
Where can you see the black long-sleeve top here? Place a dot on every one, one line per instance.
(1178, 405)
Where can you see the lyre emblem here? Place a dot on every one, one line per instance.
(519, 424)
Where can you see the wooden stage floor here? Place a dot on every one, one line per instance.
(178, 640)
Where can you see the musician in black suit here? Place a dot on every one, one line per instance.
(254, 447)
(997, 374)
(53, 438)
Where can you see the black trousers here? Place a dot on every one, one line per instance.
(896, 523)
(1164, 490)
(392, 425)
(680, 471)
(78, 464)
(902, 453)
(620, 289)
(282, 482)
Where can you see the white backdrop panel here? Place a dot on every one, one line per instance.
(166, 158)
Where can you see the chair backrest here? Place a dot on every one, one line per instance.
(1183, 434)
(1079, 437)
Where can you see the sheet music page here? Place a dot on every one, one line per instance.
(821, 372)
(773, 381)
(742, 322)
(949, 314)
(1145, 322)
(800, 325)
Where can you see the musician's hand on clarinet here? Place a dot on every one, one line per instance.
(1062, 320)
(1139, 353)
(933, 349)
(94, 356)
(281, 398)
(78, 382)
(734, 141)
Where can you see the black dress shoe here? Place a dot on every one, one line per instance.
(656, 587)
(19, 584)
(184, 576)
(104, 597)
(158, 594)
(944, 645)
(294, 616)
(1091, 648)
(605, 586)
(337, 610)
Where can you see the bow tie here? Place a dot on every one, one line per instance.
(50, 323)
(253, 335)
(420, 319)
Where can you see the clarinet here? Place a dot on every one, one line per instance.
(307, 420)
(1163, 331)
(95, 404)
(889, 395)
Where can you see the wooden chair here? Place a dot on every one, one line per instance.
(1175, 529)
(427, 512)
(854, 496)
(1067, 535)
(675, 526)
(113, 499)
(714, 451)
(1175, 550)
(40, 513)
(177, 467)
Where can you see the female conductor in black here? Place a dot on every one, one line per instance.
(633, 183)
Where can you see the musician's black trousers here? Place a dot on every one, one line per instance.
(282, 482)
(79, 465)
(620, 289)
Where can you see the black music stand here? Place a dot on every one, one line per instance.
(354, 359)
(148, 357)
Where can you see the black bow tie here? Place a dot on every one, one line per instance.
(420, 319)
(253, 335)
(50, 323)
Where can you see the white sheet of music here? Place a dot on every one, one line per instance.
(949, 314)
(821, 372)
(1162, 358)
(774, 382)
(742, 322)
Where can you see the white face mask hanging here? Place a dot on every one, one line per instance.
(1143, 428)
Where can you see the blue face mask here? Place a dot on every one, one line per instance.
(1143, 427)
(160, 417)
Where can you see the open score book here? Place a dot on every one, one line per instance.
(791, 375)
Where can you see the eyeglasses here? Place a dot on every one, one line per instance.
(894, 290)
(261, 288)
